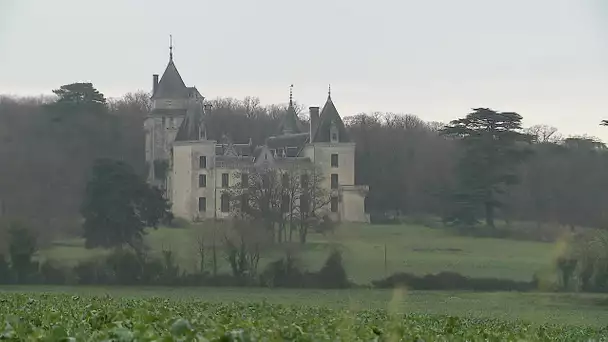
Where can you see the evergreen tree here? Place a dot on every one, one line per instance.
(492, 150)
(80, 96)
(22, 246)
(119, 205)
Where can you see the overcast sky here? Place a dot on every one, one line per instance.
(545, 59)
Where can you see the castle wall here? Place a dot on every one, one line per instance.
(185, 175)
(160, 132)
(181, 177)
(169, 103)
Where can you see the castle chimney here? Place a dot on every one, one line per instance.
(154, 83)
(314, 120)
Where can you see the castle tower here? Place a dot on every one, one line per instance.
(171, 99)
(331, 149)
(289, 123)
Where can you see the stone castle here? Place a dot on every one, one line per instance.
(195, 171)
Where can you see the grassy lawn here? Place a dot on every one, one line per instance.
(539, 308)
(409, 248)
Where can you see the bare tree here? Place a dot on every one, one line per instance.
(293, 196)
(243, 245)
(312, 199)
(131, 103)
(544, 134)
(256, 197)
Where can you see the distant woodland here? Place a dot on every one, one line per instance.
(414, 168)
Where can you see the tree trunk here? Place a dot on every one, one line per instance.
(303, 233)
(214, 259)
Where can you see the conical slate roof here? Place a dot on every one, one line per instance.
(289, 124)
(171, 85)
(192, 128)
(329, 115)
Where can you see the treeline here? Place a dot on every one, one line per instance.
(413, 167)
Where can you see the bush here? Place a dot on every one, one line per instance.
(51, 274)
(178, 222)
(284, 272)
(125, 267)
(333, 274)
(5, 270)
(383, 218)
(91, 272)
(452, 281)
(583, 264)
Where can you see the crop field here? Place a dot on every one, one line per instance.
(171, 314)
(63, 317)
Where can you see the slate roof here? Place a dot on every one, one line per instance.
(287, 140)
(290, 122)
(329, 114)
(169, 111)
(171, 85)
(230, 149)
(192, 128)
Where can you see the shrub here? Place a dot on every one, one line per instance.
(452, 281)
(333, 274)
(583, 264)
(383, 218)
(91, 272)
(5, 270)
(125, 267)
(284, 272)
(51, 274)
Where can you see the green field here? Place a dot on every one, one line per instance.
(409, 248)
(145, 314)
(157, 313)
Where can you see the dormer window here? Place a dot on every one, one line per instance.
(333, 134)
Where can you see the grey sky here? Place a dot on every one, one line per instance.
(546, 59)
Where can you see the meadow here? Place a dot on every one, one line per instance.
(409, 248)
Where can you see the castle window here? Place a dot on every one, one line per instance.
(224, 180)
(225, 203)
(244, 180)
(285, 181)
(244, 202)
(333, 134)
(285, 203)
(334, 160)
(334, 204)
(304, 180)
(334, 180)
(202, 181)
(202, 204)
(202, 162)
